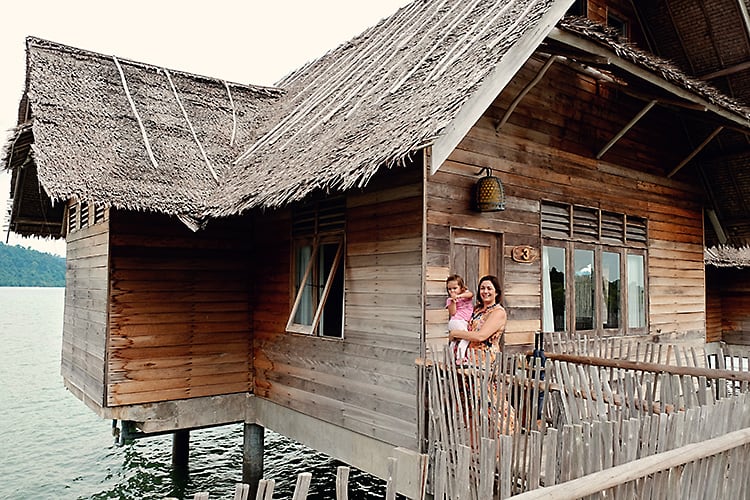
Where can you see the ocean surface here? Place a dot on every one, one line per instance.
(52, 446)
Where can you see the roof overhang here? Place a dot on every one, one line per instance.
(610, 58)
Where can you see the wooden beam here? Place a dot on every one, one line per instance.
(696, 151)
(745, 18)
(625, 129)
(566, 38)
(540, 74)
(692, 371)
(717, 226)
(736, 68)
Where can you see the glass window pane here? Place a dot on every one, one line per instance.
(553, 260)
(611, 290)
(304, 314)
(636, 292)
(333, 311)
(584, 289)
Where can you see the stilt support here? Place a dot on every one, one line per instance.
(252, 457)
(180, 449)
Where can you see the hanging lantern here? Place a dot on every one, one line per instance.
(489, 193)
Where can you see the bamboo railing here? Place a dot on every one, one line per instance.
(509, 427)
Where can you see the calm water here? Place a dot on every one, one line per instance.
(52, 446)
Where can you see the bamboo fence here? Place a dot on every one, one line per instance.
(517, 427)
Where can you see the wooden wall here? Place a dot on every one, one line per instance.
(546, 151)
(728, 295)
(179, 316)
(366, 382)
(85, 317)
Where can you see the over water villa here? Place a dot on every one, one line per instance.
(277, 256)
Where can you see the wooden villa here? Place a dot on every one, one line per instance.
(277, 256)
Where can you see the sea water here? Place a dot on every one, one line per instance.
(52, 446)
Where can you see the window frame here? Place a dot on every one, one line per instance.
(321, 224)
(558, 220)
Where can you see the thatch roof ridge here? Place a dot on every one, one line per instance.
(610, 38)
(727, 256)
(87, 53)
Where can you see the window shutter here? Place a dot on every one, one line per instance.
(635, 230)
(613, 227)
(586, 223)
(555, 220)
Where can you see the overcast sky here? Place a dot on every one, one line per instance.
(244, 41)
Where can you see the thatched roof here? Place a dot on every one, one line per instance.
(136, 136)
(394, 89)
(132, 135)
(727, 256)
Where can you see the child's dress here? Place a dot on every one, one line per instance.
(460, 321)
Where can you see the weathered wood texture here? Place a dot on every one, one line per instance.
(85, 319)
(367, 381)
(179, 315)
(728, 292)
(546, 151)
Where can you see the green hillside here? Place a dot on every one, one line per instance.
(21, 266)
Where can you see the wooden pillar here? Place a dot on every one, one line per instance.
(180, 449)
(252, 457)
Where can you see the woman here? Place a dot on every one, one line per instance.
(487, 324)
(485, 334)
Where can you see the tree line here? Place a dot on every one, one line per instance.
(21, 266)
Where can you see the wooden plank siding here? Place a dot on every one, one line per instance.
(85, 318)
(367, 381)
(547, 151)
(728, 296)
(179, 315)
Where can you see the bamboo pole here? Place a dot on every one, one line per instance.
(694, 371)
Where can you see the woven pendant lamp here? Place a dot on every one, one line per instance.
(489, 193)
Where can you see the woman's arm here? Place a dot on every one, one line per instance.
(495, 322)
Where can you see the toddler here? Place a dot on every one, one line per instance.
(460, 309)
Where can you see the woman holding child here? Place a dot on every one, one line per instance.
(485, 335)
(487, 324)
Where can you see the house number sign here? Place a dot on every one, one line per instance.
(524, 254)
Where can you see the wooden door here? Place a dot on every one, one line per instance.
(475, 254)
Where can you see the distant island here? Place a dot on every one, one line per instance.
(21, 266)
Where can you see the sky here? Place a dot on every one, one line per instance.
(243, 41)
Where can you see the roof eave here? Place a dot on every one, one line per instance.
(572, 40)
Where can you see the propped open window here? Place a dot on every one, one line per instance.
(318, 270)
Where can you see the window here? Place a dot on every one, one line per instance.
(84, 214)
(318, 269)
(579, 8)
(600, 251)
(553, 288)
(619, 24)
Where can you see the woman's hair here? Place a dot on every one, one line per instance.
(492, 279)
(458, 279)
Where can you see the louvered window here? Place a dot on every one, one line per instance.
(318, 269)
(84, 214)
(636, 230)
(72, 217)
(593, 270)
(98, 213)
